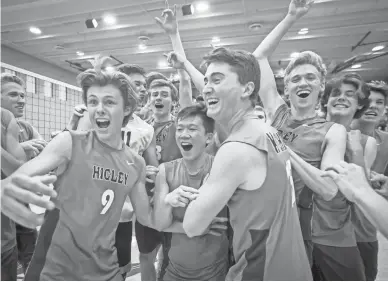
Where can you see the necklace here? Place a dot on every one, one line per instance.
(193, 173)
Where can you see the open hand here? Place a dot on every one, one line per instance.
(20, 189)
(169, 24)
(299, 8)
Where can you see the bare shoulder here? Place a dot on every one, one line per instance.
(336, 131)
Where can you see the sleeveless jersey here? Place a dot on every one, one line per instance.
(305, 138)
(26, 131)
(363, 228)
(201, 258)
(137, 134)
(166, 147)
(381, 162)
(267, 240)
(332, 220)
(8, 231)
(91, 194)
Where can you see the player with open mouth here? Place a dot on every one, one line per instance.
(95, 172)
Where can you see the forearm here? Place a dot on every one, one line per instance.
(9, 163)
(312, 177)
(196, 76)
(177, 43)
(185, 91)
(272, 40)
(374, 207)
(175, 227)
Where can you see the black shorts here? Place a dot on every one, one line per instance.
(339, 263)
(9, 265)
(123, 245)
(147, 238)
(369, 254)
(26, 241)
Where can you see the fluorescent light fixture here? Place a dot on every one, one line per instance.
(294, 54)
(201, 7)
(109, 69)
(142, 46)
(216, 39)
(356, 66)
(35, 30)
(378, 48)
(80, 53)
(109, 19)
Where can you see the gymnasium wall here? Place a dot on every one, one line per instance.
(49, 102)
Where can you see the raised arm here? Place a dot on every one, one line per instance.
(296, 10)
(170, 25)
(370, 152)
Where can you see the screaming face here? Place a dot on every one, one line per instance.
(106, 111)
(303, 86)
(191, 137)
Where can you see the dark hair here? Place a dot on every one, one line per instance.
(129, 69)
(380, 87)
(100, 77)
(243, 63)
(197, 110)
(163, 82)
(151, 76)
(362, 91)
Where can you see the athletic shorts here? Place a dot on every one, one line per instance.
(369, 254)
(9, 265)
(123, 245)
(339, 263)
(147, 238)
(26, 241)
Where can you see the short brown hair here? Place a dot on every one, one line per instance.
(362, 91)
(98, 76)
(163, 82)
(243, 63)
(11, 78)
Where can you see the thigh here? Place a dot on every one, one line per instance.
(369, 255)
(9, 264)
(147, 238)
(123, 244)
(339, 263)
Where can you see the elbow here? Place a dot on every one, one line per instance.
(190, 229)
(329, 195)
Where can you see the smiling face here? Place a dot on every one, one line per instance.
(161, 100)
(376, 109)
(303, 85)
(106, 111)
(343, 101)
(191, 137)
(13, 98)
(222, 92)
